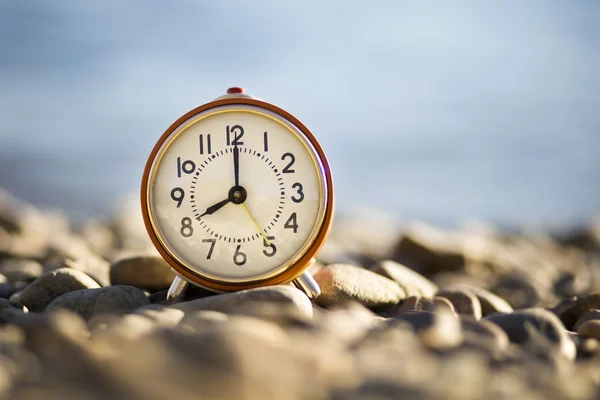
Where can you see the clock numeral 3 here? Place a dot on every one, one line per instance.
(187, 167)
(300, 193)
(186, 227)
(208, 147)
(237, 132)
(271, 246)
(239, 257)
(288, 168)
(291, 223)
(211, 248)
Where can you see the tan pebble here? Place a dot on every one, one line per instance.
(590, 329)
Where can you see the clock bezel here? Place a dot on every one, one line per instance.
(222, 285)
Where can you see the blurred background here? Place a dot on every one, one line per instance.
(438, 111)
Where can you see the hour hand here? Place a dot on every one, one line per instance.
(215, 207)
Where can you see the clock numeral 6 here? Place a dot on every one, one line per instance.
(291, 223)
(271, 246)
(288, 168)
(300, 193)
(237, 132)
(211, 248)
(186, 227)
(178, 194)
(239, 257)
(187, 167)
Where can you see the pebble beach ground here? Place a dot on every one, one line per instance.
(418, 313)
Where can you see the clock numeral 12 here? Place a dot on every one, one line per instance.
(238, 133)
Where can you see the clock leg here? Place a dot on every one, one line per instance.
(177, 290)
(308, 285)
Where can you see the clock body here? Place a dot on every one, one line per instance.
(236, 194)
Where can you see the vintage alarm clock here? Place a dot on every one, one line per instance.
(238, 194)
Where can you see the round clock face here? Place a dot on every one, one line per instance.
(236, 193)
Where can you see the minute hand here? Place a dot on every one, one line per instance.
(236, 164)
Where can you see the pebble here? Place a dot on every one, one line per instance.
(518, 291)
(92, 265)
(587, 316)
(112, 300)
(439, 330)
(229, 302)
(569, 310)
(533, 324)
(144, 271)
(464, 302)
(44, 290)
(590, 329)
(344, 282)
(418, 303)
(428, 250)
(490, 303)
(484, 336)
(20, 269)
(412, 282)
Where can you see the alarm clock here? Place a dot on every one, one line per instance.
(237, 194)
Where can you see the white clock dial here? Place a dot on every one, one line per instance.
(244, 231)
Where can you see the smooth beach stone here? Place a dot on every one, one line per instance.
(412, 282)
(109, 300)
(590, 329)
(229, 302)
(20, 269)
(429, 251)
(92, 265)
(490, 303)
(464, 302)
(569, 310)
(3, 279)
(143, 321)
(518, 291)
(9, 288)
(144, 271)
(418, 303)
(518, 326)
(343, 282)
(40, 293)
(484, 336)
(587, 316)
(440, 330)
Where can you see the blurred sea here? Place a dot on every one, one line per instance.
(440, 111)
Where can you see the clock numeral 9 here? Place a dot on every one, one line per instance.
(238, 133)
(271, 246)
(186, 227)
(187, 167)
(292, 223)
(208, 147)
(300, 193)
(288, 168)
(239, 257)
(212, 246)
(178, 194)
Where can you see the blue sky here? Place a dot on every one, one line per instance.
(454, 109)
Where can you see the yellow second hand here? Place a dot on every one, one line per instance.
(256, 223)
